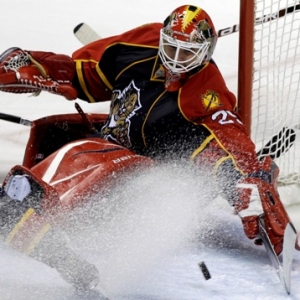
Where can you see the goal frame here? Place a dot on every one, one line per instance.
(245, 61)
(268, 90)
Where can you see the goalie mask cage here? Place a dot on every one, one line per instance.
(269, 77)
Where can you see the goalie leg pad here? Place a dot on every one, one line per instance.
(24, 198)
(25, 226)
(43, 197)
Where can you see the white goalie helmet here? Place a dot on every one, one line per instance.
(187, 39)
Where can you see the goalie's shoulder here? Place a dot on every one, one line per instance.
(144, 35)
(151, 26)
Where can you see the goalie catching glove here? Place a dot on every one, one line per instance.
(257, 194)
(35, 71)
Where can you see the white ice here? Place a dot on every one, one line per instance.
(150, 246)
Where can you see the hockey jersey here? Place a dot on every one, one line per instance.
(199, 121)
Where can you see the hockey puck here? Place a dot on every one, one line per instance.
(204, 270)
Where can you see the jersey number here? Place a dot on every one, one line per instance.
(227, 117)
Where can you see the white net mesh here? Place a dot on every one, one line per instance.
(276, 80)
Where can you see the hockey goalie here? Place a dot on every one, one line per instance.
(169, 102)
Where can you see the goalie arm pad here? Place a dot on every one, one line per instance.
(59, 67)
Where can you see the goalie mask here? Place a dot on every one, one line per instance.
(187, 39)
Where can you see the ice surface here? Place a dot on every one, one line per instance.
(148, 249)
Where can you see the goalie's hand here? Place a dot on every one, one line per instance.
(34, 71)
(256, 195)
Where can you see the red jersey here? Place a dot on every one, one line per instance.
(198, 121)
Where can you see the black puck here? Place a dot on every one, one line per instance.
(204, 270)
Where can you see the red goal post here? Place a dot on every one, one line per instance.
(246, 52)
(269, 76)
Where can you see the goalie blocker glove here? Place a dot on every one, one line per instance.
(257, 195)
(35, 71)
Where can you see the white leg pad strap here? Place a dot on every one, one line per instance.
(18, 187)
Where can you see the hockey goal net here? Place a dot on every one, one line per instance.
(269, 79)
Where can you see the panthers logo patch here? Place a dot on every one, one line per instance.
(124, 105)
(211, 100)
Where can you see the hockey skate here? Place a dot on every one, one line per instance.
(54, 251)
